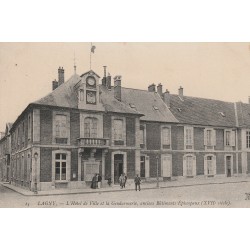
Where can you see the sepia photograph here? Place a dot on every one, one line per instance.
(107, 125)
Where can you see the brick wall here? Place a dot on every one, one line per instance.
(177, 164)
(153, 165)
(177, 134)
(199, 139)
(107, 126)
(200, 164)
(131, 164)
(220, 167)
(45, 165)
(219, 139)
(46, 126)
(74, 128)
(130, 133)
(74, 164)
(153, 133)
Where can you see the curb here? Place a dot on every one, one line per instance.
(122, 190)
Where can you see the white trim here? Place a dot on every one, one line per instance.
(113, 163)
(170, 137)
(185, 165)
(192, 138)
(213, 162)
(68, 164)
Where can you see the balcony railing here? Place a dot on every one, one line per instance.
(93, 142)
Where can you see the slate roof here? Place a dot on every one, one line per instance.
(148, 103)
(201, 111)
(66, 96)
(243, 113)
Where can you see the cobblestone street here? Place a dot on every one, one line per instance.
(215, 195)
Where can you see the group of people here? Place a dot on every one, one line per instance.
(96, 181)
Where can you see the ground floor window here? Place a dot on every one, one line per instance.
(60, 166)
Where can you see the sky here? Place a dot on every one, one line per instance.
(210, 70)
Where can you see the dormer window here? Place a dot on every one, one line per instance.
(179, 109)
(132, 106)
(222, 114)
(155, 108)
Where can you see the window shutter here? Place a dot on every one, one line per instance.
(233, 138)
(184, 166)
(214, 137)
(205, 137)
(194, 165)
(205, 165)
(214, 164)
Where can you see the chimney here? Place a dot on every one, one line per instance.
(159, 89)
(54, 84)
(117, 88)
(181, 92)
(104, 79)
(60, 76)
(166, 98)
(151, 88)
(108, 81)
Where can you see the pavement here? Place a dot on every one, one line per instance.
(130, 186)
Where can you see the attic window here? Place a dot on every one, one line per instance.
(222, 114)
(132, 105)
(179, 109)
(155, 108)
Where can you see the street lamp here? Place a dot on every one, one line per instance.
(35, 186)
(157, 171)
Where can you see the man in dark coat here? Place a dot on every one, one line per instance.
(137, 183)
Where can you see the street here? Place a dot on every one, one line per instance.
(211, 195)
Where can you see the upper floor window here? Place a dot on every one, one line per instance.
(61, 126)
(248, 139)
(189, 137)
(166, 137)
(229, 138)
(209, 137)
(90, 127)
(118, 129)
(142, 136)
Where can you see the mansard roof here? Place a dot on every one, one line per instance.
(66, 96)
(201, 111)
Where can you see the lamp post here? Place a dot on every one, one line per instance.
(157, 171)
(35, 186)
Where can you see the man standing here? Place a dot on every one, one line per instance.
(99, 179)
(137, 183)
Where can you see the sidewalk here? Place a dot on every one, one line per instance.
(129, 187)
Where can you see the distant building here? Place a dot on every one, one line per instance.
(87, 125)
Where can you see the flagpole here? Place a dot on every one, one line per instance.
(90, 55)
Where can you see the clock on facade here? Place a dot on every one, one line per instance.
(91, 82)
(91, 97)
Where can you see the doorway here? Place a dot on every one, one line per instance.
(229, 166)
(118, 167)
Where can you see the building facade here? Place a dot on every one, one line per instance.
(89, 125)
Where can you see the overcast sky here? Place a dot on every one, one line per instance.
(210, 70)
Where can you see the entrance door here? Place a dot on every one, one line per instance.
(166, 166)
(142, 170)
(118, 167)
(229, 166)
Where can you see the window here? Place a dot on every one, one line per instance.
(189, 165)
(248, 139)
(142, 136)
(229, 138)
(209, 138)
(90, 127)
(189, 137)
(60, 167)
(118, 129)
(209, 165)
(61, 126)
(165, 136)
